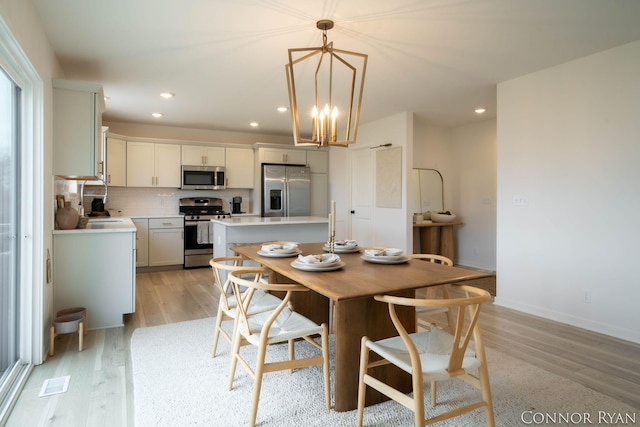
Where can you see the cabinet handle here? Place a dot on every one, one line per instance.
(204, 160)
(167, 223)
(108, 178)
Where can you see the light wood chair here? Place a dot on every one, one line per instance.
(281, 325)
(227, 307)
(433, 291)
(429, 356)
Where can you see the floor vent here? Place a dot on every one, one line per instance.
(54, 386)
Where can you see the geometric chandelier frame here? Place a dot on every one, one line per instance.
(325, 92)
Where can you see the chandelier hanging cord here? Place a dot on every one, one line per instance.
(324, 25)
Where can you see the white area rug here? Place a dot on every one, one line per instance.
(177, 383)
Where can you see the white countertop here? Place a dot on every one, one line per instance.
(259, 221)
(103, 225)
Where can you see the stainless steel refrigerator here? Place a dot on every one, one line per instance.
(286, 190)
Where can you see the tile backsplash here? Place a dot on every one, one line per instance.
(137, 201)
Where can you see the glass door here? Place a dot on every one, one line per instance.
(9, 230)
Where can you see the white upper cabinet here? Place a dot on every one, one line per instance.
(239, 167)
(198, 155)
(77, 130)
(116, 167)
(153, 165)
(282, 155)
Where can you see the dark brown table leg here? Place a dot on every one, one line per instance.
(354, 319)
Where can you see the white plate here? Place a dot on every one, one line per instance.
(317, 267)
(400, 259)
(274, 254)
(343, 249)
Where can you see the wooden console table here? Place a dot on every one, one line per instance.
(435, 238)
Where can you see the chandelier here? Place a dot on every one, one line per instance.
(325, 92)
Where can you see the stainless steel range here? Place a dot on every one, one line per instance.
(198, 229)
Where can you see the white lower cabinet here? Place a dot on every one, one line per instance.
(95, 271)
(142, 241)
(166, 241)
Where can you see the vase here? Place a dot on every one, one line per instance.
(67, 217)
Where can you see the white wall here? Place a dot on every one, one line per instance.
(190, 134)
(391, 226)
(472, 193)
(25, 26)
(466, 158)
(569, 143)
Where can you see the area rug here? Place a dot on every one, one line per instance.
(177, 383)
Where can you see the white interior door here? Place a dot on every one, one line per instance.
(362, 181)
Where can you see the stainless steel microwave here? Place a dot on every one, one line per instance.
(203, 177)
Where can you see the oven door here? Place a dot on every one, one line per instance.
(198, 243)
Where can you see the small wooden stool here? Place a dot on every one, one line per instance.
(67, 324)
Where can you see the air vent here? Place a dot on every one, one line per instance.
(54, 386)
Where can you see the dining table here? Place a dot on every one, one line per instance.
(343, 298)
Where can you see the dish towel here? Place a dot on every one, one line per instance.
(204, 233)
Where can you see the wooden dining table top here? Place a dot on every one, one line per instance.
(359, 278)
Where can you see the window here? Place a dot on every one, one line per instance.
(9, 228)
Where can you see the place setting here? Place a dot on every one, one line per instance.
(280, 250)
(342, 246)
(319, 262)
(384, 256)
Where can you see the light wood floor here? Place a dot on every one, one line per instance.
(101, 392)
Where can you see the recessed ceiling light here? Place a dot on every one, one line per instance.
(282, 109)
(480, 110)
(157, 115)
(254, 124)
(106, 98)
(167, 95)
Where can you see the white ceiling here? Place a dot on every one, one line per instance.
(224, 59)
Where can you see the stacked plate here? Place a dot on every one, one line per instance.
(343, 246)
(385, 256)
(280, 250)
(321, 262)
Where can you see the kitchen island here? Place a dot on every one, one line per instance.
(94, 267)
(241, 230)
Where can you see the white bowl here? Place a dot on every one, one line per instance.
(392, 251)
(67, 323)
(438, 217)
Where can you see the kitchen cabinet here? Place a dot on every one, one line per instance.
(282, 155)
(77, 130)
(116, 165)
(239, 167)
(95, 271)
(199, 155)
(166, 241)
(142, 241)
(153, 164)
